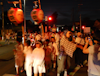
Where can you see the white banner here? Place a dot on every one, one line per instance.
(87, 30)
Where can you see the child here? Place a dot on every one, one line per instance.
(48, 52)
(38, 55)
(28, 58)
(61, 61)
(55, 52)
(19, 57)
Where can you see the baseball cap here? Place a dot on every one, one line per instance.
(38, 42)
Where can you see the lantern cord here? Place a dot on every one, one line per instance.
(35, 2)
(14, 4)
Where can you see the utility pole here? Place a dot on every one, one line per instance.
(23, 26)
(39, 4)
(42, 29)
(80, 23)
(20, 4)
(1, 3)
(80, 18)
(24, 17)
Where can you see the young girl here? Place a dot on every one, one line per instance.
(48, 52)
(28, 58)
(19, 57)
(61, 61)
(38, 55)
(55, 52)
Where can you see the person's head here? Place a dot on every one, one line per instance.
(38, 44)
(96, 36)
(61, 33)
(19, 40)
(46, 42)
(79, 34)
(27, 43)
(52, 39)
(67, 33)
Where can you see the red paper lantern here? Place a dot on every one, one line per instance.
(37, 15)
(15, 15)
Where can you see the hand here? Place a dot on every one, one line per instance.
(86, 40)
(81, 47)
(90, 42)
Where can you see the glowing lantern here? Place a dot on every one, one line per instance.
(15, 15)
(37, 15)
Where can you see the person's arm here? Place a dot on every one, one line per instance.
(85, 48)
(79, 46)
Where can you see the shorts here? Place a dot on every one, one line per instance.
(39, 69)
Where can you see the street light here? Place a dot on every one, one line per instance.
(24, 17)
(50, 18)
(83, 26)
(1, 3)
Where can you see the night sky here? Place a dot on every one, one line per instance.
(68, 10)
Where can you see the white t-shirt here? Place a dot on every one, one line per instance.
(92, 68)
(56, 48)
(28, 55)
(7, 36)
(38, 55)
(27, 50)
(57, 37)
(79, 40)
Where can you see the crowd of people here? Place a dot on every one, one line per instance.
(54, 51)
(9, 36)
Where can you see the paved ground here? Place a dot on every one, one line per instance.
(7, 63)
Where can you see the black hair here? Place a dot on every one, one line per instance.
(19, 39)
(40, 42)
(96, 35)
(28, 42)
(47, 40)
(53, 38)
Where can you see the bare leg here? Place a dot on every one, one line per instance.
(17, 70)
(35, 74)
(40, 74)
(54, 65)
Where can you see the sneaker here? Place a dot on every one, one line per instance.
(17, 75)
(81, 65)
(22, 70)
(78, 65)
(53, 70)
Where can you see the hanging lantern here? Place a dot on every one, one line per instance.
(37, 15)
(15, 15)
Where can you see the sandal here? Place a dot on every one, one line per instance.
(22, 70)
(17, 75)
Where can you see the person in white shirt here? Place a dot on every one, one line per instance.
(28, 58)
(93, 52)
(19, 56)
(38, 55)
(7, 38)
(55, 52)
(57, 38)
